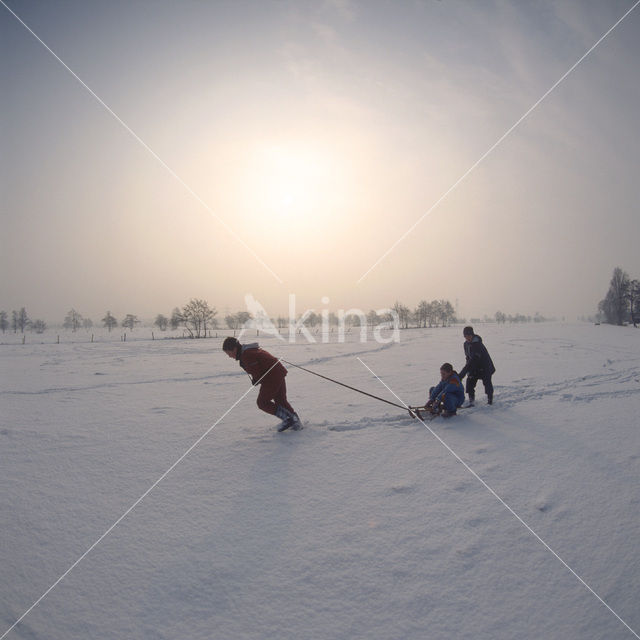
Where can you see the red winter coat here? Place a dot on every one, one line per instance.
(256, 362)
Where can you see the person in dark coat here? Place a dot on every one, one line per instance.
(479, 366)
(268, 372)
(448, 394)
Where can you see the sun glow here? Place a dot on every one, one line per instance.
(293, 187)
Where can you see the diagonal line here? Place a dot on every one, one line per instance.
(490, 149)
(133, 506)
(504, 504)
(147, 147)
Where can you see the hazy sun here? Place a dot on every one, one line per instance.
(291, 184)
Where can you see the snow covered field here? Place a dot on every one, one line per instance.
(363, 525)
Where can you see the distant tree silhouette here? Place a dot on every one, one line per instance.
(634, 301)
(421, 313)
(446, 312)
(615, 305)
(39, 326)
(237, 320)
(109, 321)
(4, 321)
(197, 317)
(73, 320)
(162, 322)
(176, 319)
(20, 320)
(404, 314)
(130, 321)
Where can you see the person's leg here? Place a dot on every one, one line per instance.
(265, 399)
(488, 388)
(270, 393)
(280, 397)
(471, 388)
(450, 403)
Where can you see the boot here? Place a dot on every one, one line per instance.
(286, 417)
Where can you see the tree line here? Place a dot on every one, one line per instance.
(503, 318)
(622, 302)
(20, 322)
(197, 318)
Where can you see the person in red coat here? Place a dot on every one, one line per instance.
(268, 372)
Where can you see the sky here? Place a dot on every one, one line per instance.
(360, 152)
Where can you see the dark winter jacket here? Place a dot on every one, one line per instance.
(256, 362)
(479, 361)
(450, 387)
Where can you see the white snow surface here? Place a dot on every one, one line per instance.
(362, 525)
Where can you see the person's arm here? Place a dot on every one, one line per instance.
(474, 364)
(437, 392)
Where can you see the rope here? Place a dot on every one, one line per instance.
(342, 384)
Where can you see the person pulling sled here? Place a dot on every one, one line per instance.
(268, 372)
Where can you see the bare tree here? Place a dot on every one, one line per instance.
(109, 321)
(404, 314)
(162, 322)
(4, 322)
(422, 313)
(176, 319)
(39, 326)
(237, 320)
(197, 316)
(73, 320)
(130, 321)
(432, 310)
(446, 312)
(21, 320)
(313, 319)
(634, 301)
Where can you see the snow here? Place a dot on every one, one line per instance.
(362, 525)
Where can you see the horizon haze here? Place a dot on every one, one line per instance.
(361, 151)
